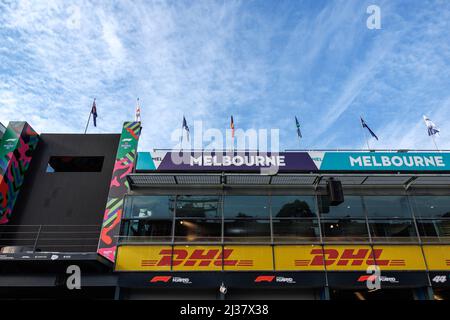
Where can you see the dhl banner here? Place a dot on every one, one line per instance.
(281, 258)
(194, 258)
(250, 258)
(400, 258)
(304, 257)
(143, 258)
(348, 258)
(437, 257)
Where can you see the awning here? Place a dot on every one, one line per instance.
(301, 180)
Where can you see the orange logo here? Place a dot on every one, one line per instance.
(198, 257)
(353, 257)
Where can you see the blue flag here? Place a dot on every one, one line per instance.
(297, 124)
(94, 113)
(364, 125)
(185, 127)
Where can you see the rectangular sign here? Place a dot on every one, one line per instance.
(245, 161)
(437, 257)
(400, 257)
(245, 279)
(314, 161)
(388, 279)
(194, 258)
(286, 258)
(298, 258)
(142, 258)
(386, 161)
(249, 258)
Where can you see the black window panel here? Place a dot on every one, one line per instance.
(74, 164)
(352, 207)
(295, 230)
(147, 230)
(293, 206)
(198, 230)
(387, 206)
(149, 207)
(344, 229)
(393, 229)
(431, 206)
(199, 206)
(246, 207)
(247, 230)
(432, 228)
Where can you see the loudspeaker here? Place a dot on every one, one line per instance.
(335, 192)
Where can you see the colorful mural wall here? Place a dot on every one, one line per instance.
(16, 149)
(125, 159)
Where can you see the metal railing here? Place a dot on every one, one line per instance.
(49, 238)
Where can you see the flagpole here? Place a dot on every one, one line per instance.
(87, 124)
(181, 137)
(89, 118)
(364, 133)
(434, 141)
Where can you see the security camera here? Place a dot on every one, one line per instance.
(223, 289)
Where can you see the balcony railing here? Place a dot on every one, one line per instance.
(49, 238)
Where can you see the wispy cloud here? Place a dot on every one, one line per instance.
(263, 62)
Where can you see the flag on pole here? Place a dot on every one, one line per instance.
(364, 125)
(185, 127)
(297, 124)
(432, 128)
(94, 113)
(232, 127)
(138, 112)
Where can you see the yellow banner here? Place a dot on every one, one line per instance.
(248, 258)
(142, 258)
(348, 258)
(399, 257)
(298, 258)
(287, 258)
(197, 258)
(437, 257)
(193, 258)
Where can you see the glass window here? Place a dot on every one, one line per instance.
(295, 230)
(387, 206)
(147, 230)
(351, 208)
(246, 207)
(75, 164)
(247, 230)
(199, 206)
(393, 229)
(149, 207)
(434, 228)
(344, 229)
(431, 206)
(198, 230)
(293, 206)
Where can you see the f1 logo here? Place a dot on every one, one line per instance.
(160, 279)
(264, 278)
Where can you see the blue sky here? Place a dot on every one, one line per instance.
(262, 61)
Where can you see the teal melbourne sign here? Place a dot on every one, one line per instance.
(386, 161)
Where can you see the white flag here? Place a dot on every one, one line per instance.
(432, 129)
